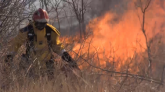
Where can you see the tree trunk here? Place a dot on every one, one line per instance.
(59, 28)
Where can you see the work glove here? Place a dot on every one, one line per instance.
(7, 64)
(69, 59)
(8, 58)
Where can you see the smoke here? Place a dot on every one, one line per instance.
(95, 8)
(100, 7)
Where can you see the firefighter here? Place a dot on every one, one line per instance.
(41, 39)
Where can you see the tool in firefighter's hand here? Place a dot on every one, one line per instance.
(69, 59)
(73, 64)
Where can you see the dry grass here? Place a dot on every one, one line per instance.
(90, 81)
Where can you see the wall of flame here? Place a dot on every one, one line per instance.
(124, 37)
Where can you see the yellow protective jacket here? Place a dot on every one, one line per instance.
(41, 48)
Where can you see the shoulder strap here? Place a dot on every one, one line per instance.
(49, 30)
(30, 41)
(31, 33)
(50, 27)
(48, 35)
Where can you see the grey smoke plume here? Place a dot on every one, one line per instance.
(99, 7)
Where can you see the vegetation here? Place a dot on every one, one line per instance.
(118, 49)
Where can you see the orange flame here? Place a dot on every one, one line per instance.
(121, 38)
(115, 39)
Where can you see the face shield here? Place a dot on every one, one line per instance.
(40, 25)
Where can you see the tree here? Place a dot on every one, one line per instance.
(79, 7)
(144, 4)
(56, 6)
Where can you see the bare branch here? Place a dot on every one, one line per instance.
(127, 74)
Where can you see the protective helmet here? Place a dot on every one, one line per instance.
(40, 16)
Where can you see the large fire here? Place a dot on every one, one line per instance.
(114, 40)
(122, 38)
